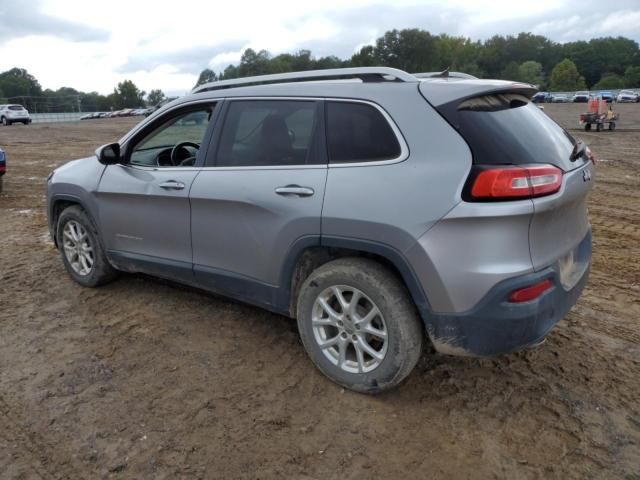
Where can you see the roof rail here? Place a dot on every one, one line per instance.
(444, 74)
(363, 73)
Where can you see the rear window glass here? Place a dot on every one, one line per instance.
(16, 107)
(357, 132)
(268, 133)
(508, 129)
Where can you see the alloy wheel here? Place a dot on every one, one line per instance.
(77, 248)
(349, 329)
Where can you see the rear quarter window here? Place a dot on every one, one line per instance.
(358, 132)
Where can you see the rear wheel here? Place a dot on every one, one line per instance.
(81, 250)
(612, 125)
(359, 325)
(599, 127)
(587, 126)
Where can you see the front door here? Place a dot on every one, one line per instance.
(144, 202)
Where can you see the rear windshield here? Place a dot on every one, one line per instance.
(509, 129)
(16, 107)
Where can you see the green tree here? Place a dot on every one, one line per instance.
(18, 85)
(530, 72)
(631, 77)
(459, 54)
(254, 63)
(127, 95)
(602, 55)
(207, 75)
(94, 102)
(365, 57)
(511, 72)
(609, 81)
(413, 50)
(155, 97)
(230, 72)
(565, 77)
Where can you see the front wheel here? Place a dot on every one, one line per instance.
(81, 250)
(5, 122)
(359, 325)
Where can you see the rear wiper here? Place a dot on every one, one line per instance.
(579, 150)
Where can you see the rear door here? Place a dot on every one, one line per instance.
(262, 191)
(143, 203)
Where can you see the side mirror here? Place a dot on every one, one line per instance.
(109, 154)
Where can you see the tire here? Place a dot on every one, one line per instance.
(587, 127)
(5, 122)
(100, 272)
(599, 127)
(612, 125)
(398, 351)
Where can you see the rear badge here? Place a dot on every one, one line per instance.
(586, 175)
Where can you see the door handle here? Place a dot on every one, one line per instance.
(295, 190)
(172, 185)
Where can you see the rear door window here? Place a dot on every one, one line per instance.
(358, 132)
(269, 133)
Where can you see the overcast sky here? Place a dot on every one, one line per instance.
(92, 45)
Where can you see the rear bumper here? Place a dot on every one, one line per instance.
(495, 326)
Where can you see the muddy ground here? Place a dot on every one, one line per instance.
(143, 379)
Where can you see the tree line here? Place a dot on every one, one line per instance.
(19, 86)
(600, 63)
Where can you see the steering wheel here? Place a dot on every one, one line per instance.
(180, 147)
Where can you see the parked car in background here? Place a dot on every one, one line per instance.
(3, 166)
(560, 98)
(289, 208)
(541, 97)
(141, 111)
(606, 96)
(93, 115)
(627, 96)
(581, 97)
(14, 113)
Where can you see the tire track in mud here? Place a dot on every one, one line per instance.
(19, 441)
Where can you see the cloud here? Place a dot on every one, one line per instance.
(185, 60)
(65, 42)
(17, 20)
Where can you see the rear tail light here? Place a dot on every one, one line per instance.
(590, 155)
(512, 183)
(531, 292)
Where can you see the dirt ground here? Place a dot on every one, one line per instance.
(143, 379)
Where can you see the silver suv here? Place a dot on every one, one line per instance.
(14, 113)
(379, 208)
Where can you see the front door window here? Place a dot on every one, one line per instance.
(175, 143)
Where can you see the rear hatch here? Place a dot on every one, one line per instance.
(504, 129)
